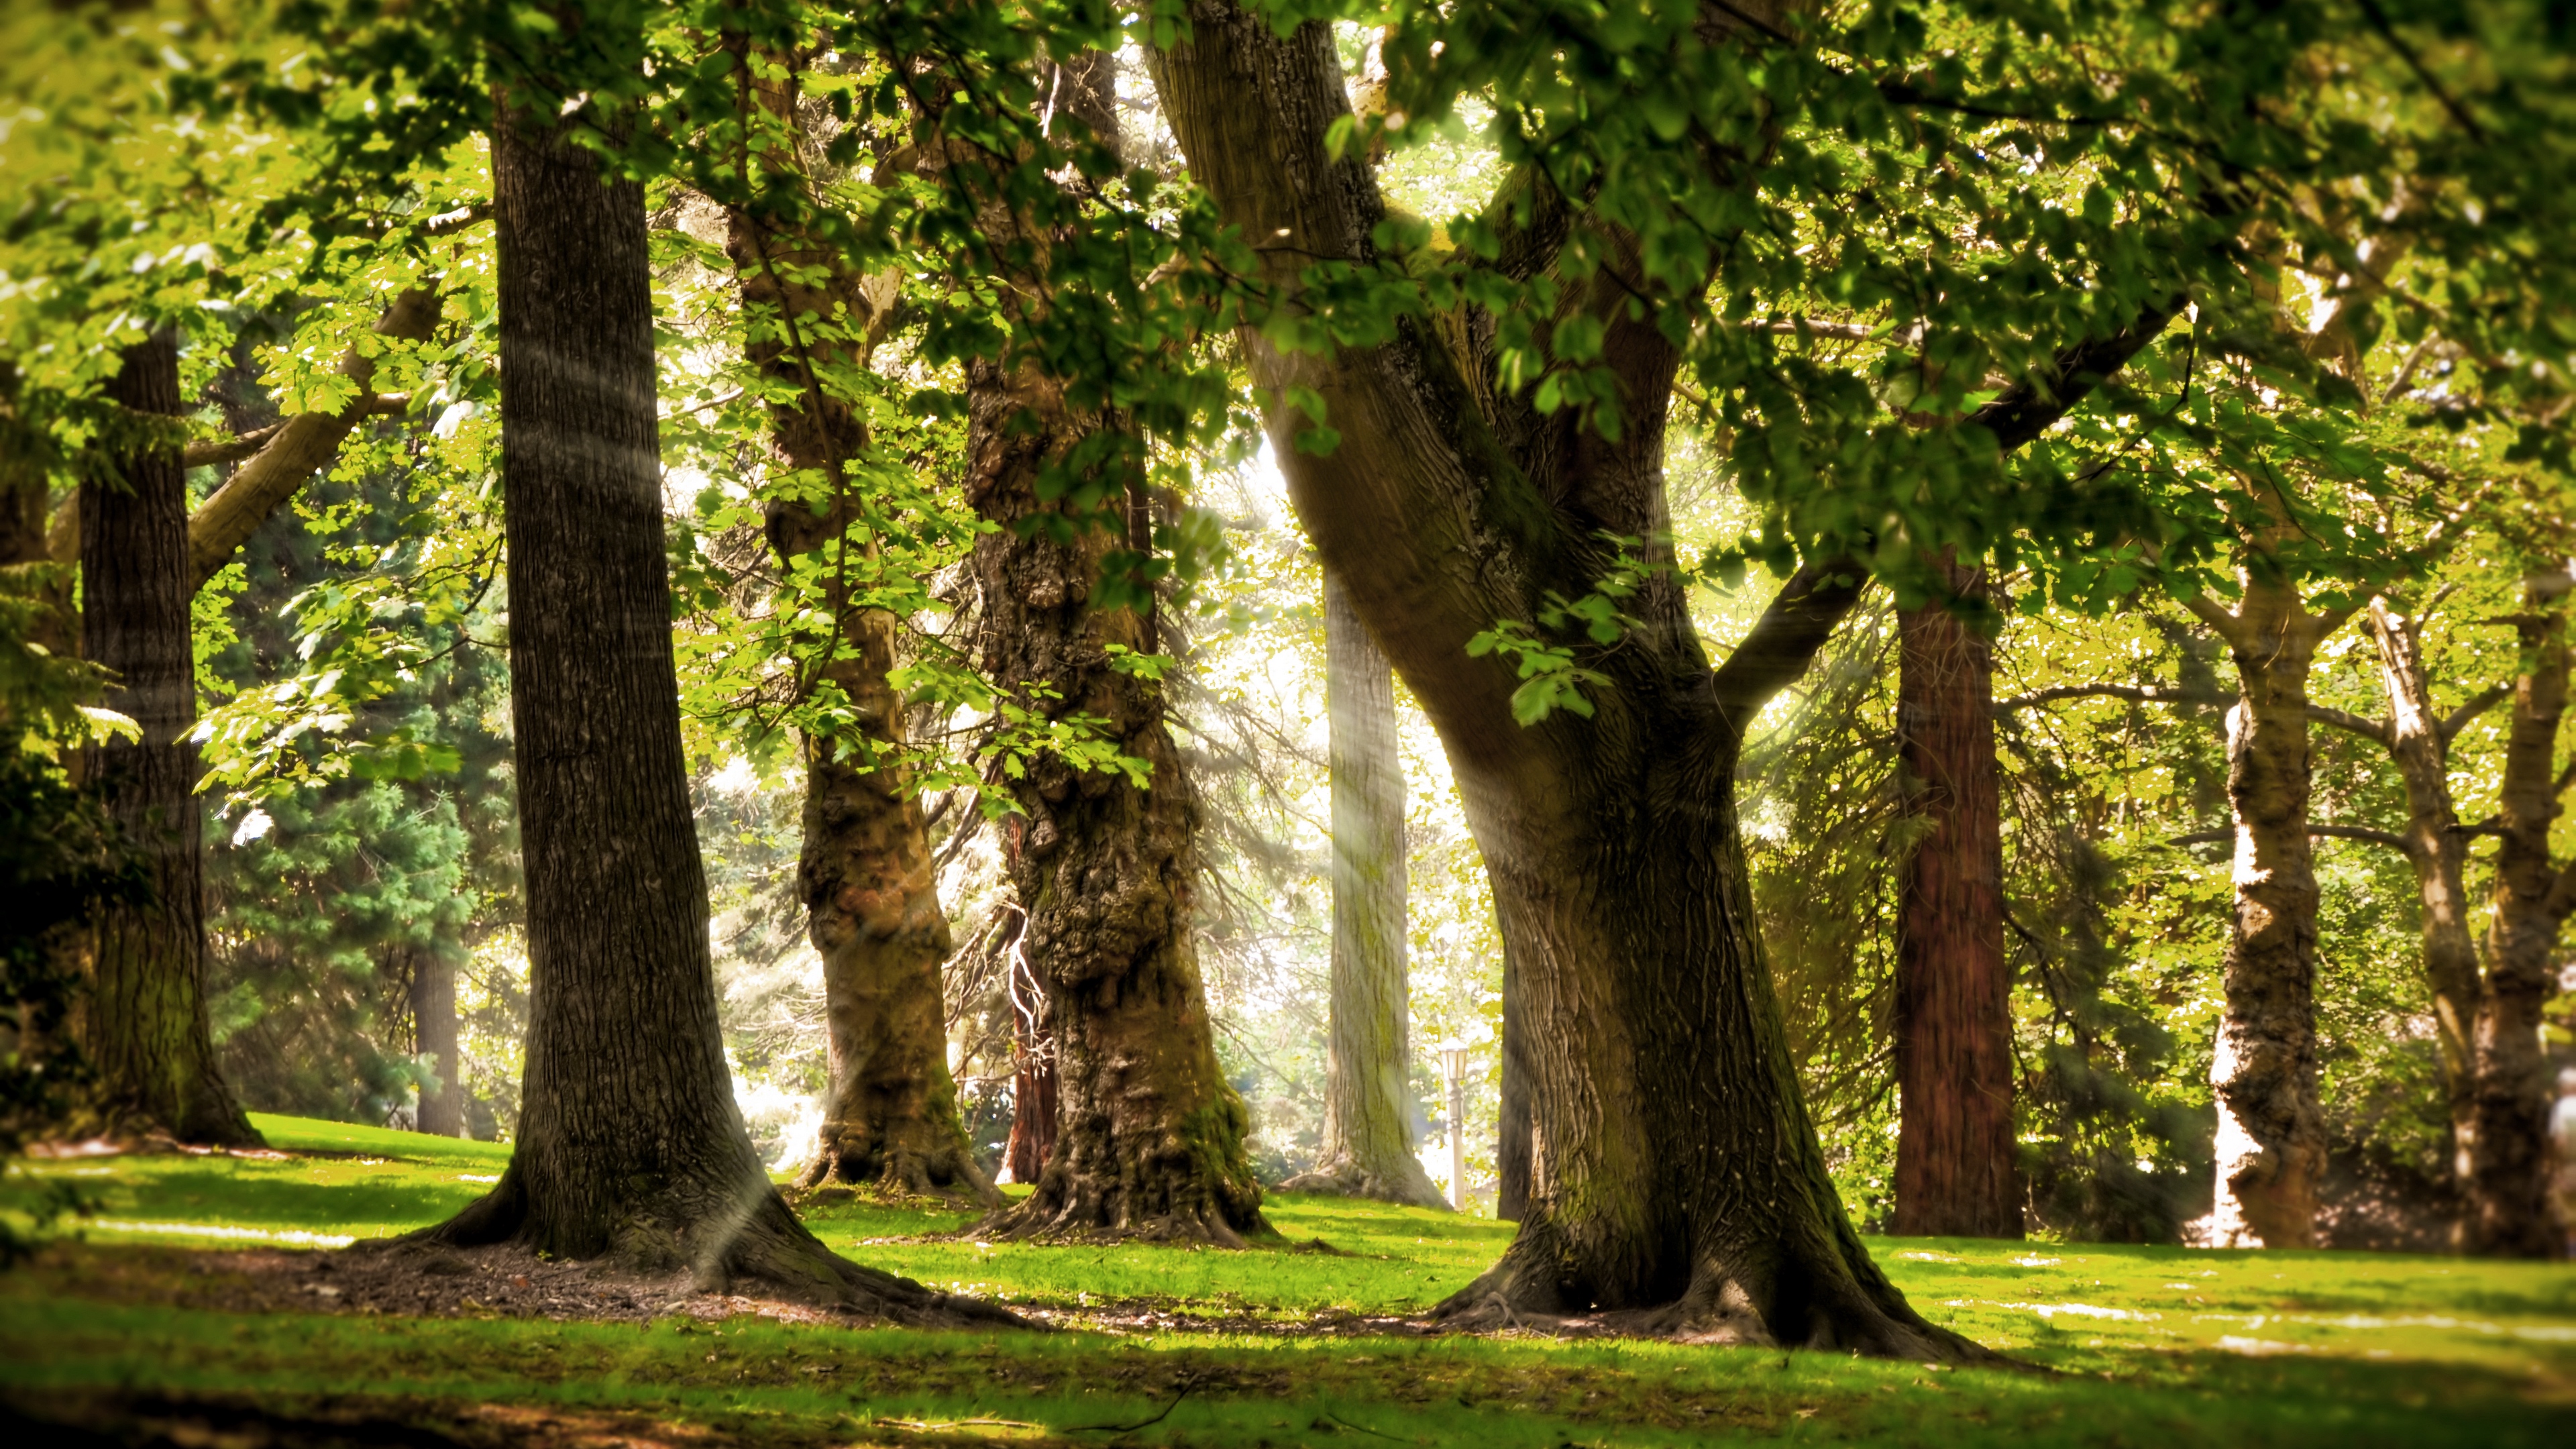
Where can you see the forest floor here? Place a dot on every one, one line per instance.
(197, 1305)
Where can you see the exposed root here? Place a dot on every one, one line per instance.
(759, 1249)
(895, 1176)
(1347, 1177)
(1056, 1216)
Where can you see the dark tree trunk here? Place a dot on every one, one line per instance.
(146, 1031)
(2271, 1143)
(1512, 1145)
(1149, 1134)
(865, 872)
(433, 1014)
(1368, 1116)
(1035, 1102)
(1676, 1182)
(2509, 1211)
(1955, 1173)
(630, 1145)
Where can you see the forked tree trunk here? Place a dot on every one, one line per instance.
(630, 1145)
(2419, 739)
(1676, 1182)
(145, 1026)
(433, 1013)
(1149, 1134)
(2271, 1144)
(865, 870)
(1368, 1119)
(1955, 1170)
(2509, 1210)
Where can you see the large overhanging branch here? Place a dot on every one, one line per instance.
(1785, 639)
(2362, 833)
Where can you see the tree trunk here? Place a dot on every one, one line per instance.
(1512, 1124)
(1368, 1119)
(2509, 1211)
(1035, 1102)
(866, 873)
(433, 1014)
(2419, 740)
(1955, 1170)
(2271, 1142)
(630, 1145)
(146, 1030)
(1149, 1134)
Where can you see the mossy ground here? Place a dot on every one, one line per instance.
(2149, 1346)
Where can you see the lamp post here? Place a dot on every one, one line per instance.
(1453, 1069)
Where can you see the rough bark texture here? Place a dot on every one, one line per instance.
(2271, 1143)
(1955, 1170)
(144, 1025)
(2419, 739)
(1676, 1184)
(1512, 1125)
(441, 1112)
(1149, 1135)
(2509, 1211)
(630, 1145)
(1368, 1115)
(865, 870)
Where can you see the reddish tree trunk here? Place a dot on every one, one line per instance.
(1955, 1174)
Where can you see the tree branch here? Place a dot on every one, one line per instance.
(300, 445)
(1785, 639)
(2458, 719)
(2134, 693)
(2363, 833)
(2033, 405)
(2377, 731)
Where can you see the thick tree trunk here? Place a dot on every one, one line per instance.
(2419, 740)
(1955, 1170)
(866, 874)
(433, 1014)
(1368, 1120)
(1149, 1134)
(2271, 1142)
(630, 1145)
(145, 1022)
(2509, 1213)
(1676, 1183)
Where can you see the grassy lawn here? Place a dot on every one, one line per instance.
(2149, 1346)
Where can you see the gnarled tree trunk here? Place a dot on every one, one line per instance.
(144, 1025)
(865, 870)
(1955, 1173)
(630, 1145)
(1368, 1118)
(2509, 1214)
(1676, 1184)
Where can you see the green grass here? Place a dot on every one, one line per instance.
(2152, 1346)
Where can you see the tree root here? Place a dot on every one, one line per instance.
(1082, 1218)
(898, 1176)
(756, 1248)
(1347, 1177)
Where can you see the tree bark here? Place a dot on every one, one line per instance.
(2271, 1143)
(1676, 1182)
(1149, 1134)
(433, 1013)
(1955, 1169)
(1368, 1147)
(630, 1145)
(2418, 738)
(1512, 1115)
(865, 870)
(1035, 1102)
(145, 1023)
(2509, 1211)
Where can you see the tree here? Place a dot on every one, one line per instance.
(144, 1025)
(1955, 1174)
(630, 1145)
(1368, 1117)
(1676, 1185)
(865, 872)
